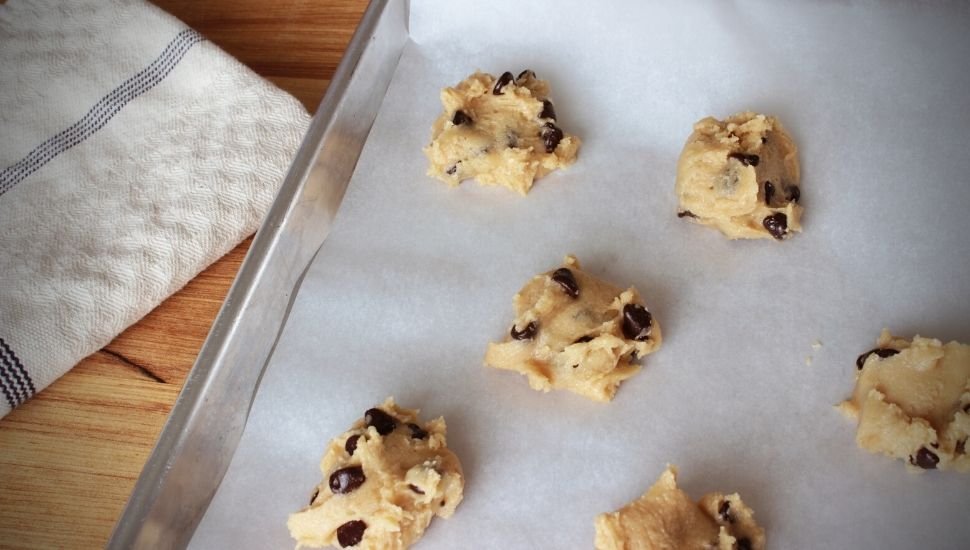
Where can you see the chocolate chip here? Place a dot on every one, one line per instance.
(744, 543)
(745, 159)
(527, 333)
(961, 447)
(880, 352)
(925, 459)
(315, 493)
(442, 502)
(511, 140)
(583, 339)
(793, 193)
(451, 171)
(724, 512)
(548, 111)
(686, 214)
(885, 352)
(351, 445)
(383, 422)
(351, 533)
(551, 136)
(637, 322)
(417, 432)
(966, 408)
(776, 224)
(525, 73)
(502, 82)
(769, 192)
(347, 479)
(565, 278)
(764, 139)
(415, 488)
(461, 118)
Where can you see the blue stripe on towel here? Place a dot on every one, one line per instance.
(102, 112)
(12, 399)
(15, 382)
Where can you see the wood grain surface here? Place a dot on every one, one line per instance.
(70, 456)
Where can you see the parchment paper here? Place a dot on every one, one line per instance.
(416, 278)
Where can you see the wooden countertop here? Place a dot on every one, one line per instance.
(70, 456)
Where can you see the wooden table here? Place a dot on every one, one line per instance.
(70, 456)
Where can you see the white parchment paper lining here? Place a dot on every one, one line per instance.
(416, 278)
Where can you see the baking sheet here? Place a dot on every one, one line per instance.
(416, 278)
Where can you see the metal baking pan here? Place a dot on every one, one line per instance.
(867, 89)
(201, 434)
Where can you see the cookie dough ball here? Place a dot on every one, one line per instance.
(575, 332)
(384, 479)
(912, 401)
(741, 177)
(499, 131)
(666, 518)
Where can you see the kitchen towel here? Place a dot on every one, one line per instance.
(133, 154)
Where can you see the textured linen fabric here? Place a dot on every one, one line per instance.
(133, 153)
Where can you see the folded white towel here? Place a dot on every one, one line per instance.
(133, 154)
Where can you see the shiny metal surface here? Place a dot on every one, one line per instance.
(207, 421)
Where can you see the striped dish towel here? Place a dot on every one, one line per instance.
(133, 154)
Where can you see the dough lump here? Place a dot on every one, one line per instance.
(912, 401)
(384, 479)
(665, 518)
(499, 131)
(741, 177)
(575, 332)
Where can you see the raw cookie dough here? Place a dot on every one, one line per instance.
(383, 481)
(741, 177)
(575, 332)
(499, 131)
(912, 400)
(665, 518)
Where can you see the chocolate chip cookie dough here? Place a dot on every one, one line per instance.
(666, 518)
(573, 331)
(384, 479)
(912, 401)
(499, 131)
(741, 176)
